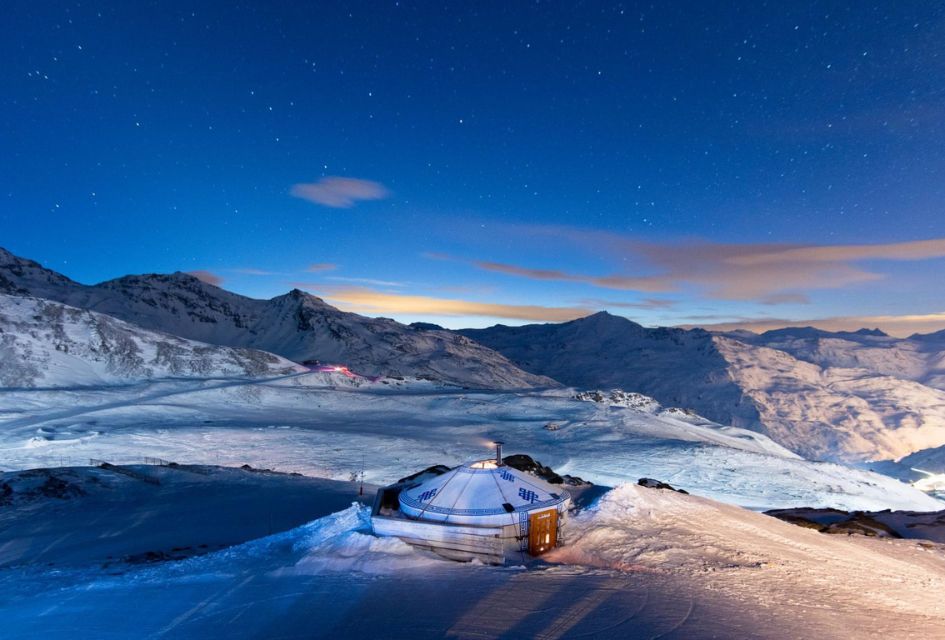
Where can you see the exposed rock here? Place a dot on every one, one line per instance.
(650, 483)
(861, 524)
(527, 464)
(884, 524)
(620, 398)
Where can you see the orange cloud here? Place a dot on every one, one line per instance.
(915, 250)
(785, 298)
(646, 303)
(207, 276)
(368, 301)
(338, 192)
(628, 283)
(768, 273)
(321, 266)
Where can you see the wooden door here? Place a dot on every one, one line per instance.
(542, 531)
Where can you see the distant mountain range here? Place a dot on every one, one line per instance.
(297, 326)
(855, 395)
(848, 395)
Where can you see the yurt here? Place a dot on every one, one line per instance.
(482, 510)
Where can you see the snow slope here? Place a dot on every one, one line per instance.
(296, 325)
(643, 563)
(763, 561)
(330, 426)
(47, 344)
(677, 367)
(920, 358)
(77, 516)
(834, 412)
(852, 396)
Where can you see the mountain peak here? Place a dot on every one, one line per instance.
(22, 275)
(606, 319)
(876, 332)
(297, 295)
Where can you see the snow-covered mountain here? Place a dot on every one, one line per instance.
(48, 344)
(849, 395)
(920, 357)
(296, 325)
(858, 395)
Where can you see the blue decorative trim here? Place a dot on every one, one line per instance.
(525, 494)
(523, 530)
(410, 501)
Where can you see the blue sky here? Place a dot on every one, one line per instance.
(692, 163)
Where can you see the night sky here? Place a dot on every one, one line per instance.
(676, 163)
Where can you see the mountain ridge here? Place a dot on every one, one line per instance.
(49, 344)
(849, 395)
(295, 325)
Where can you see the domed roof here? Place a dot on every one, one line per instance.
(482, 493)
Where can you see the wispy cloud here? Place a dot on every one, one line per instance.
(915, 250)
(248, 271)
(369, 281)
(646, 303)
(321, 266)
(896, 325)
(338, 192)
(207, 276)
(768, 273)
(369, 301)
(622, 282)
(326, 284)
(785, 298)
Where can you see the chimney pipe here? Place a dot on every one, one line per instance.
(498, 452)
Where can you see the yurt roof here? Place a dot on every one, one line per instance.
(480, 492)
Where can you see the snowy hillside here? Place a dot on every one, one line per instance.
(296, 325)
(329, 426)
(920, 357)
(642, 563)
(849, 396)
(931, 460)
(676, 367)
(825, 412)
(47, 344)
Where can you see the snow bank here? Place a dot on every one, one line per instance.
(337, 543)
(626, 530)
(342, 542)
(756, 556)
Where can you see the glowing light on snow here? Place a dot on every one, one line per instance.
(933, 481)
